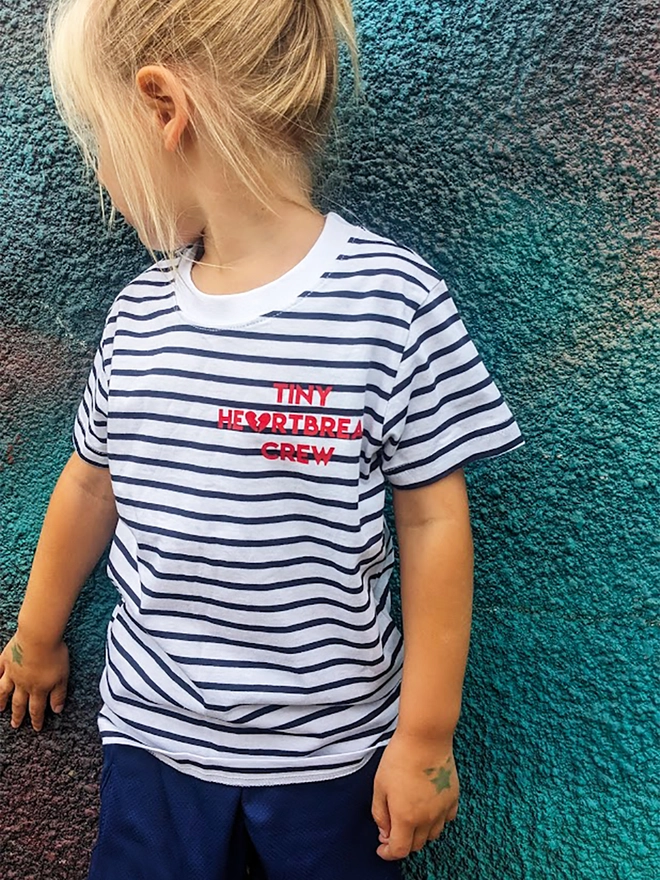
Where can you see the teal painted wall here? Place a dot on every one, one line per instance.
(515, 146)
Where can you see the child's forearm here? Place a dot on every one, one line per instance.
(435, 545)
(79, 523)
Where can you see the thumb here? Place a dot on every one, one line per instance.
(57, 697)
(380, 812)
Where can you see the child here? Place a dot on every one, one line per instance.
(252, 394)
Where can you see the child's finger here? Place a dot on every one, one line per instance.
(380, 813)
(58, 697)
(6, 687)
(400, 842)
(19, 703)
(420, 837)
(437, 829)
(37, 710)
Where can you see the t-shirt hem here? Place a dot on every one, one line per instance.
(252, 779)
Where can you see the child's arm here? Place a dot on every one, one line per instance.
(79, 523)
(416, 787)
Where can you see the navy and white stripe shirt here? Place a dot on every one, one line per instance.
(249, 439)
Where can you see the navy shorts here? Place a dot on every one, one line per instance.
(157, 823)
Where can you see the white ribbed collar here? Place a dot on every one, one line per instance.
(226, 310)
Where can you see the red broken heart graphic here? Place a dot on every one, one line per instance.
(257, 423)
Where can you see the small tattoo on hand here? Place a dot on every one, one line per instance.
(442, 778)
(16, 653)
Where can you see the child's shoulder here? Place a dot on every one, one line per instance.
(152, 284)
(148, 293)
(372, 255)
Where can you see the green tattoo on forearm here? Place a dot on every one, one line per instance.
(442, 778)
(16, 653)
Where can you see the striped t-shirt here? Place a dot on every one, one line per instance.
(250, 438)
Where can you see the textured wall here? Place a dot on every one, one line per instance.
(515, 145)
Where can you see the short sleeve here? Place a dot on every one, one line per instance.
(445, 409)
(90, 431)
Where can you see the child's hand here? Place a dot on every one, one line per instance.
(415, 794)
(33, 672)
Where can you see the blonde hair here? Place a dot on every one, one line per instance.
(261, 76)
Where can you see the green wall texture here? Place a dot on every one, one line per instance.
(515, 145)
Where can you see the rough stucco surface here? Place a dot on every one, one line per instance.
(515, 145)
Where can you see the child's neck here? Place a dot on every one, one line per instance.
(254, 247)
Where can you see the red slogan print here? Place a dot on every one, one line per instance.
(296, 423)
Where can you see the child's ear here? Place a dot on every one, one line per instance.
(166, 98)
